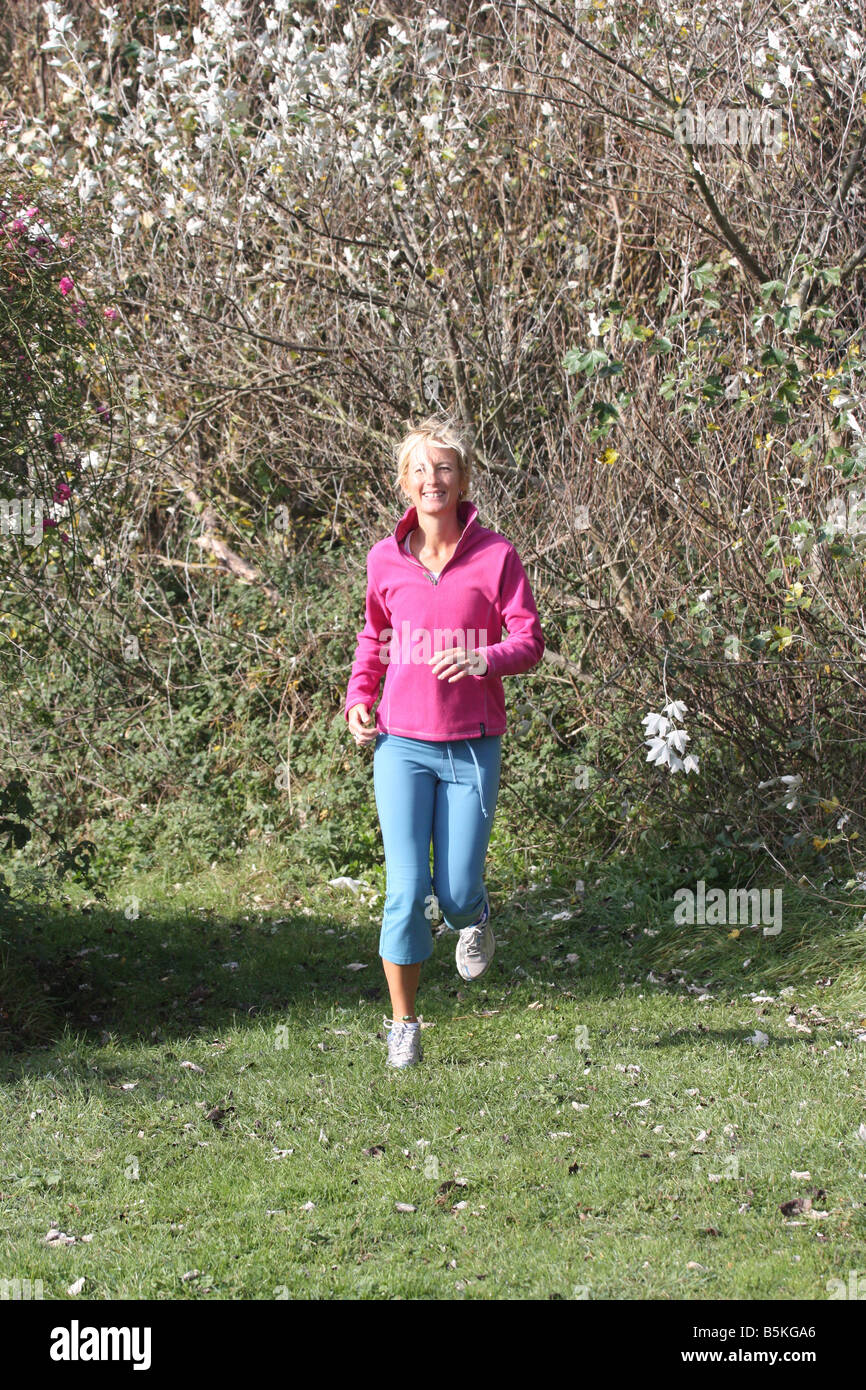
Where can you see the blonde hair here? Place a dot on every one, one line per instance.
(448, 433)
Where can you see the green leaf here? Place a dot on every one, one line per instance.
(605, 412)
(773, 357)
(772, 287)
(704, 274)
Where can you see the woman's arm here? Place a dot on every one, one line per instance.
(524, 645)
(368, 668)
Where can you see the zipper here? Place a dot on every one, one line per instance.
(434, 578)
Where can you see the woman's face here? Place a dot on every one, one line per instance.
(433, 480)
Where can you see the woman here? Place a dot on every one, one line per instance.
(439, 591)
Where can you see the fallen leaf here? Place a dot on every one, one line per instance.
(795, 1205)
(343, 882)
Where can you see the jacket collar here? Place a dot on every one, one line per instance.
(467, 515)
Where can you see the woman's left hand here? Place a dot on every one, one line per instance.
(456, 662)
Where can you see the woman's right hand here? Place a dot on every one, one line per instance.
(359, 716)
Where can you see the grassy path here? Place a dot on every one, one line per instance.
(576, 1129)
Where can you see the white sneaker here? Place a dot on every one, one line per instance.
(404, 1042)
(475, 947)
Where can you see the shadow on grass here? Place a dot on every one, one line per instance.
(161, 976)
(165, 976)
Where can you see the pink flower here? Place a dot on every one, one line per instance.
(65, 285)
(62, 492)
(48, 521)
(110, 314)
(66, 240)
(64, 536)
(58, 437)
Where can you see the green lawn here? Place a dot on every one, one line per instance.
(575, 1129)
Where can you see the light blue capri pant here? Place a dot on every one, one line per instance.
(444, 791)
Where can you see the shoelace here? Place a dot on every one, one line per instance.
(472, 940)
(400, 1040)
(474, 935)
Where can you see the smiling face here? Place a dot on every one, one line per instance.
(433, 480)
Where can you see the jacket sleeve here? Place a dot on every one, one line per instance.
(524, 645)
(368, 668)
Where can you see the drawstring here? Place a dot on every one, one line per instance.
(478, 775)
(477, 772)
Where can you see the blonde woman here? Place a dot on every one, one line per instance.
(440, 590)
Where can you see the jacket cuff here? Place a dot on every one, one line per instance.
(485, 652)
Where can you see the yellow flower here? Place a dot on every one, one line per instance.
(609, 456)
(818, 843)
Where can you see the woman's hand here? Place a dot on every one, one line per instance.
(456, 663)
(359, 716)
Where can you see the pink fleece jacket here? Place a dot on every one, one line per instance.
(411, 616)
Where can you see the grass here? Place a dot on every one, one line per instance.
(577, 1129)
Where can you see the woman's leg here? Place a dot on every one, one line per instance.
(461, 831)
(404, 780)
(403, 987)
